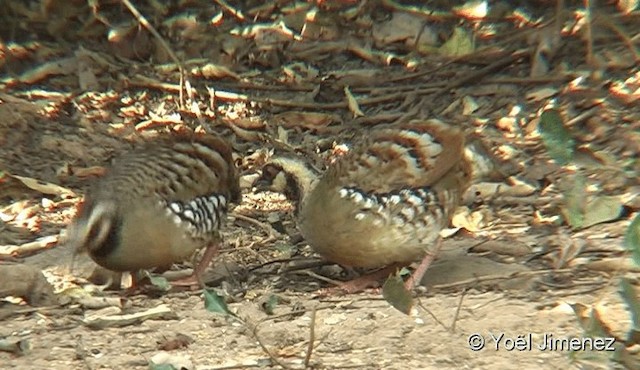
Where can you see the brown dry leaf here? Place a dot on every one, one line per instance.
(28, 248)
(541, 219)
(511, 247)
(213, 71)
(289, 351)
(352, 103)
(283, 135)
(519, 188)
(131, 41)
(27, 282)
(93, 171)
(248, 135)
(112, 317)
(628, 91)
(298, 73)
(474, 9)
(184, 26)
(249, 123)
(469, 105)
(404, 27)
(567, 250)
(472, 221)
(156, 121)
(541, 94)
(9, 212)
(170, 360)
(315, 121)
(64, 66)
(631, 197)
(44, 187)
(627, 6)
(178, 341)
(356, 77)
(86, 72)
(613, 265)
(494, 189)
(85, 299)
(267, 35)
(547, 42)
(508, 124)
(320, 26)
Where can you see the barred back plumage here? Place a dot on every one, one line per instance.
(386, 200)
(157, 204)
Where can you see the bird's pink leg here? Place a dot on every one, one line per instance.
(419, 272)
(195, 280)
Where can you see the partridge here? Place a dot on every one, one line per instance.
(158, 204)
(383, 203)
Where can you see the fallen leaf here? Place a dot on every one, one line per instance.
(397, 294)
(44, 187)
(215, 303)
(632, 239)
(474, 9)
(460, 43)
(213, 71)
(352, 103)
(557, 139)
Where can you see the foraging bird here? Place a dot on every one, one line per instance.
(383, 203)
(158, 204)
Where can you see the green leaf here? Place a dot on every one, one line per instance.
(153, 366)
(153, 283)
(159, 282)
(632, 239)
(630, 297)
(574, 203)
(287, 249)
(397, 294)
(602, 209)
(556, 138)
(460, 43)
(215, 303)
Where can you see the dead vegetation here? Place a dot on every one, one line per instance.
(551, 87)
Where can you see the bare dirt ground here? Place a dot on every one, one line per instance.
(81, 84)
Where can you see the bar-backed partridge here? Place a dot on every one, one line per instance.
(383, 203)
(158, 204)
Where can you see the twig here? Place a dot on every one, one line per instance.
(236, 13)
(477, 75)
(319, 277)
(232, 367)
(238, 97)
(310, 262)
(254, 332)
(273, 233)
(588, 33)
(164, 44)
(566, 77)
(312, 338)
(457, 314)
(433, 316)
(482, 279)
